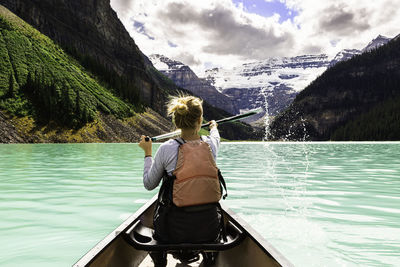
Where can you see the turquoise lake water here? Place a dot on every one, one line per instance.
(319, 204)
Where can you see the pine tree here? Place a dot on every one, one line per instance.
(11, 88)
(29, 83)
(77, 105)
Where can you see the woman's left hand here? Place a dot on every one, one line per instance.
(146, 145)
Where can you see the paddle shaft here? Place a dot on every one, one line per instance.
(229, 119)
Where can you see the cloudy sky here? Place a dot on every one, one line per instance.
(213, 33)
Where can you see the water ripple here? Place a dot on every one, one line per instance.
(334, 203)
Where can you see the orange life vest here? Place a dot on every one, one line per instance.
(197, 180)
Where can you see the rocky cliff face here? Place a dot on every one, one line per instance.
(184, 77)
(8, 131)
(105, 129)
(92, 28)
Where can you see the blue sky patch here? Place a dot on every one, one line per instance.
(139, 27)
(267, 9)
(171, 44)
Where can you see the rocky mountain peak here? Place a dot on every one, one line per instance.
(375, 43)
(163, 63)
(344, 55)
(184, 77)
(347, 54)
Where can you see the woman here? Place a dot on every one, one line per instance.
(194, 216)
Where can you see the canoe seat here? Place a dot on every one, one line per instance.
(141, 237)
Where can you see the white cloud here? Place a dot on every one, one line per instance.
(221, 33)
(344, 23)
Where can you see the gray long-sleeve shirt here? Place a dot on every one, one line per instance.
(166, 157)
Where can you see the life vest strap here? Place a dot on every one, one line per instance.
(180, 141)
(223, 184)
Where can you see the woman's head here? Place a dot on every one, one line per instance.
(186, 111)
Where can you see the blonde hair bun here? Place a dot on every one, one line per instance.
(178, 106)
(185, 110)
(181, 108)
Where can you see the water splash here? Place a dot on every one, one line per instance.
(292, 188)
(290, 136)
(266, 91)
(303, 124)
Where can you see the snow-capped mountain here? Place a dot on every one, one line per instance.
(343, 55)
(375, 43)
(275, 79)
(349, 53)
(184, 77)
(295, 72)
(165, 64)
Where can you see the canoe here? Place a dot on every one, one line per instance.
(129, 245)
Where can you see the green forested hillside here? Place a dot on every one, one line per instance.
(38, 78)
(380, 123)
(357, 99)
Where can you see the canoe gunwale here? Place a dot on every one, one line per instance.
(107, 241)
